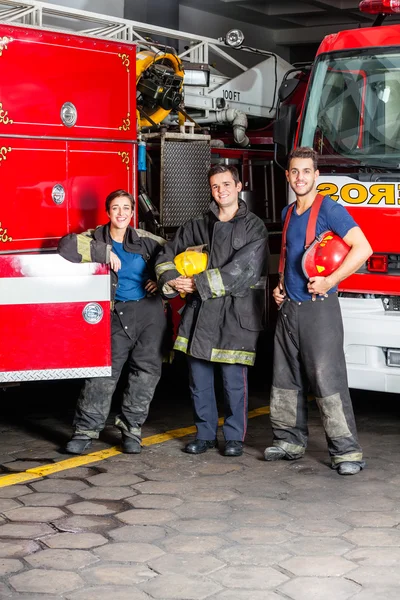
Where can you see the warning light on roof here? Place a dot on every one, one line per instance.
(376, 7)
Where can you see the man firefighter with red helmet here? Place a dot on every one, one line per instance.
(308, 350)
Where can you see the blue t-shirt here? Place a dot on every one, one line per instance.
(132, 276)
(331, 217)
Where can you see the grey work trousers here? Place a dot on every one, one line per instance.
(137, 336)
(309, 356)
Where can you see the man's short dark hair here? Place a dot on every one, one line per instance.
(216, 169)
(304, 152)
(119, 194)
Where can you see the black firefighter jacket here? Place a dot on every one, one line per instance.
(222, 321)
(95, 245)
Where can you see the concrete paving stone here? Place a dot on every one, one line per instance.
(114, 479)
(313, 510)
(9, 565)
(145, 516)
(19, 466)
(91, 508)
(14, 491)
(75, 473)
(318, 546)
(117, 575)
(75, 540)
(18, 548)
(318, 527)
(174, 488)
(377, 577)
(43, 514)
(8, 504)
(210, 495)
(176, 474)
(371, 519)
(107, 493)
(259, 503)
(137, 533)
(262, 535)
(200, 526)
(219, 469)
(153, 501)
(249, 578)
(370, 504)
(180, 587)
(38, 581)
(129, 552)
(106, 593)
(244, 595)
(60, 486)
(78, 523)
(40, 499)
(371, 537)
(23, 596)
(182, 564)
(380, 557)
(318, 566)
(28, 530)
(62, 559)
(262, 555)
(383, 594)
(193, 543)
(260, 518)
(5, 591)
(203, 510)
(315, 588)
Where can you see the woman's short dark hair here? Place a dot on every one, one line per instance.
(304, 152)
(119, 194)
(216, 169)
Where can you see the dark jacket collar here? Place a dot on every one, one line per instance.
(132, 242)
(241, 212)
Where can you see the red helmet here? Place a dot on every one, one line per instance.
(325, 255)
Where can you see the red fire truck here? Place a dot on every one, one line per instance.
(67, 132)
(351, 118)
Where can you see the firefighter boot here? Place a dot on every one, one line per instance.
(78, 444)
(130, 445)
(348, 468)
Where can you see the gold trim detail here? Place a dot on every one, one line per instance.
(126, 61)
(4, 237)
(126, 123)
(125, 159)
(3, 153)
(3, 44)
(4, 116)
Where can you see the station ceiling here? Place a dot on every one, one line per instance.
(294, 21)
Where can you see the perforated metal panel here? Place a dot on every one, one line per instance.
(185, 189)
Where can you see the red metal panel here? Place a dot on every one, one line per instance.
(94, 170)
(41, 70)
(52, 336)
(380, 225)
(28, 171)
(368, 37)
(378, 283)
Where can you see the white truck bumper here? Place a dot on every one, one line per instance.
(368, 331)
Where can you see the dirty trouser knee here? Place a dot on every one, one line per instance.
(309, 350)
(94, 402)
(145, 361)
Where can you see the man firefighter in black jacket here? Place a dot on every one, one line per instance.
(138, 324)
(223, 314)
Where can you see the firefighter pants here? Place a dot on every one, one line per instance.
(201, 382)
(137, 336)
(309, 356)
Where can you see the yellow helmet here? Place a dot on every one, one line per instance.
(191, 262)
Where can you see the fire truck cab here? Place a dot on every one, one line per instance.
(350, 117)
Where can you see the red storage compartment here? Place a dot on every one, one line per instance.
(45, 75)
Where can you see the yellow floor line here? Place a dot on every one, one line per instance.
(87, 459)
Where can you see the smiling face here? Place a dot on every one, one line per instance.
(224, 190)
(302, 176)
(120, 213)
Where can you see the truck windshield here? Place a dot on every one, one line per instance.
(353, 108)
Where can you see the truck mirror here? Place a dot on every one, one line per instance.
(287, 88)
(284, 130)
